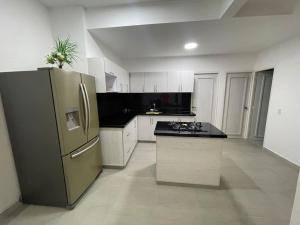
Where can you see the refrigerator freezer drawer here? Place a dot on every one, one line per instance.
(81, 167)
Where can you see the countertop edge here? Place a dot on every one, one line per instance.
(142, 114)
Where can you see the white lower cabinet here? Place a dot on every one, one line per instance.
(117, 144)
(147, 124)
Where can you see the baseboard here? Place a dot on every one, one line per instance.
(11, 212)
(281, 158)
(209, 187)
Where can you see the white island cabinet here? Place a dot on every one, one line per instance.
(190, 157)
(117, 144)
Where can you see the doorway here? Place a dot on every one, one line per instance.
(260, 105)
(235, 105)
(204, 97)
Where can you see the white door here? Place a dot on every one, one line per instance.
(235, 104)
(204, 97)
(137, 82)
(187, 81)
(260, 104)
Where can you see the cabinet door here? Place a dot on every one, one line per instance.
(134, 132)
(156, 82)
(161, 80)
(112, 146)
(96, 68)
(144, 128)
(120, 79)
(127, 143)
(137, 82)
(108, 66)
(187, 81)
(174, 82)
(125, 80)
(150, 82)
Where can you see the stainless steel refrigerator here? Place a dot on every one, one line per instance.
(52, 120)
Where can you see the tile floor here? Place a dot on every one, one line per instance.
(257, 189)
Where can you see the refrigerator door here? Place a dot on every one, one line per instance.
(81, 168)
(71, 112)
(93, 119)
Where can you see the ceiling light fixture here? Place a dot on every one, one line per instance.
(190, 45)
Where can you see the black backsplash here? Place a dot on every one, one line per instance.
(110, 104)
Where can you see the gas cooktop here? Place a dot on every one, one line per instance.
(186, 126)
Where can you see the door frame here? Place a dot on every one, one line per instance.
(245, 120)
(213, 76)
(255, 74)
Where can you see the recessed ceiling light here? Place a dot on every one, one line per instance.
(190, 45)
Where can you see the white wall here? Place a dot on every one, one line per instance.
(25, 38)
(295, 220)
(282, 129)
(25, 41)
(221, 64)
(70, 22)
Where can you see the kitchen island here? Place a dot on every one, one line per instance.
(188, 153)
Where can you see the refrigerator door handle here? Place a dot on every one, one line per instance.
(85, 107)
(84, 150)
(88, 106)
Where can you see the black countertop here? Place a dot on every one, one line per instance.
(121, 120)
(207, 130)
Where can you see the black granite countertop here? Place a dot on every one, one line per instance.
(121, 120)
(207, 130)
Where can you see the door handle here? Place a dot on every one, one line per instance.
(86, 149)
(88, 105)
(85, 107)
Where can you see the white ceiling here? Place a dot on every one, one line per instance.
(91, 3)
(226, 36)
(266, 7)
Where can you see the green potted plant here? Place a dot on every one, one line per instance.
(65, 51)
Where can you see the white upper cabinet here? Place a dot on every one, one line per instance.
(137, 82)
(156, 82)
(181, 81)
(174, 82)
(110, 67)
(125, 80)
(187, 81)
(96, 68)
(110, 77)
